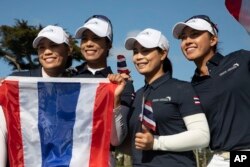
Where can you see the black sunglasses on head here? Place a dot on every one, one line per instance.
(206, 18)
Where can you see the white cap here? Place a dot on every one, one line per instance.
(148, 38)
(194, 23)
(53, 33)
(98, 25)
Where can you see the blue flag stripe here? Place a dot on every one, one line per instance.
(57, 111)
(121, 64)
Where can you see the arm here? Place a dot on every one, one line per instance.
(120, 112)
(196, 136)
(3, 142)
(119, 125)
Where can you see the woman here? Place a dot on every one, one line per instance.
(52, 44)
(96, 41)
(222, 83)
(167, 122)
(53, 48)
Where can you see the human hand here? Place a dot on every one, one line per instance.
(144, 140)
(120, 81)
(1, 80)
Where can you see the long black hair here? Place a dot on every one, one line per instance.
(167, 65)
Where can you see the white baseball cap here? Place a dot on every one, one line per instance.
(148, 38)
(98, 24)
(199, 22)
(53, 33)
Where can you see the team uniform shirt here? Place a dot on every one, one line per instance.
(225, 98)
(172, 100)
(128, 93)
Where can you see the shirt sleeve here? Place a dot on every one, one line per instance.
(119, 125)
(127, 96)
(196, 136)
(3, 142)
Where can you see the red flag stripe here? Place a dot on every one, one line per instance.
(99, 138)
(16, 157)
(234, 7)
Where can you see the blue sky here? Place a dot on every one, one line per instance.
(129, 17)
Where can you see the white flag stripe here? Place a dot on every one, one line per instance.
(121, 59)
(149, 120)
(245, 14)
(122, 68)
(29, 111)
(149, 108)
(83, 126)
(64, 80)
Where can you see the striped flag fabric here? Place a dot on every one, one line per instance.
(147, 116)
(57, 122)
(197, 100)
(122, 65)
(240, 10)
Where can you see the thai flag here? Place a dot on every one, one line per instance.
(240, 10)
(58, 122)
(197, 100)
(122, 65)
(147, 116)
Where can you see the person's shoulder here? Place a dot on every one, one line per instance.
(240, 52)
(179, 81)
(34, 72)
(179, 85)
(20, 73)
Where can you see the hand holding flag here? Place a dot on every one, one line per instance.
(119, 80)
(144, 140)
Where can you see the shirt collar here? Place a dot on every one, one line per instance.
(82, 69)
(214, 61)
(159, 81)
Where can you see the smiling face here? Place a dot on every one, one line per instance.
(197, 46)
(52, 56)
(94, 49)
(148, 62)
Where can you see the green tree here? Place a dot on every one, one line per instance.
(16, 45)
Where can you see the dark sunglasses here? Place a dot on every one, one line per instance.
(206, 18)
(102, 17)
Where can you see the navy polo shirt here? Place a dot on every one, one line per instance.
(172, 100)
(225, 98)
(128, 93)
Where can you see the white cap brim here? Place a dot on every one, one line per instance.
(53, 39)
(196, 23)
(98, 26)
(148, 38)
(129, 44)
(54, 33)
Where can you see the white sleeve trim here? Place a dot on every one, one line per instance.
(3, 140)
(119, 128)
(196, 136)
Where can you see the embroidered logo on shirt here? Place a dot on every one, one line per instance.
(235, 65)
(167, 98)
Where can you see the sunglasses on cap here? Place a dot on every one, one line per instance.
(206, 18)
(102, 17)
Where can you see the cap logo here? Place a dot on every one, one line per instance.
(192, 21)
(93, 22)
(48, 30)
